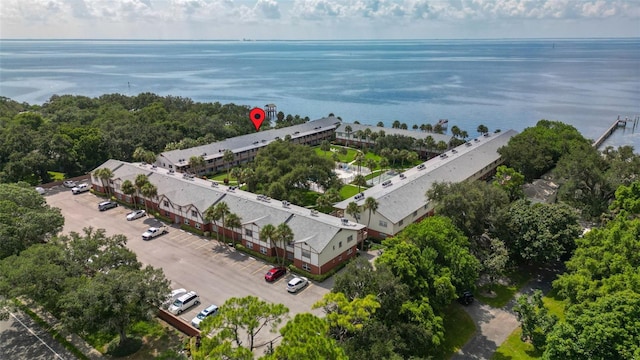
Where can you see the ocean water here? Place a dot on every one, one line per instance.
(499, 83)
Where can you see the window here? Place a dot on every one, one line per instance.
(248, 232)
(170, 166)
(350, 251)
(263, 250)
(249, 245)
(400, 222)
(306, 254)
(350, 238)
(340, 244)
(194, 213)
(290, 256)
(197, 225)
(165, 203)
(415, 213)
(306, 267)
(167, 213)
(382, 223)
(186, 221)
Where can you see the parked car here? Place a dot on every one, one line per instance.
(136, 214)
(275, 273)
(184, 302)
(211, 310)
(80, 189)
(154, 231)
(466, 298)
(297, 284)
(69, 184)
(172, 297)
(106, 205)
(40, 190)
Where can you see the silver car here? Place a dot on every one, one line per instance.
(136, 214)
(296, 284)
(211, 310)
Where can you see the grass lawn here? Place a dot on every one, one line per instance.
(515, 349)
(56, 176)
(220, 178)
(147, 340)
(351, 154)
(503, 293)
(458, 329)
(348, 191)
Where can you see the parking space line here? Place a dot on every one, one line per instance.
(206, 243)
(260, 268)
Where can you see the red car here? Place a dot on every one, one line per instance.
(275, 273)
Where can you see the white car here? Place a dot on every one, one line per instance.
(136, 214)
(173, 296)
(40, 190)
(69, 183)
(211, 310)
(154, 231)
(297, 283)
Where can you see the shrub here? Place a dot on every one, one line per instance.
(191, 229)
(162, 217)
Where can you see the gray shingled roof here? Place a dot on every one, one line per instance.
(317, 230)
(249, 141)
(392, 131)
(405, 196)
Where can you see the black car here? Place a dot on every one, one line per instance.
(466, 298)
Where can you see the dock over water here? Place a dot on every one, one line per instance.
(619, 122)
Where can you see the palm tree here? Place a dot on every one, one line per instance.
(104, 174)
(395, 154)
(419, 144)
(455, 131)
(359, 160)
(415, 127)
(129, 189)
(348, 130)
(233, 221)
(404, 126)
(284, 235)
(333, 195)
(358, 135)
(428, 128)
(367, 134)
(384, 164)
(371, 164)
(482, 129)
(380, 124)
(412, 157)
(335, 157)
(221, 210)
(249, 177)
(429, 143)
(149, 191)
(236, 173)
(209, 216)
(139, 182)
(359, 180)
(139, 154)
(196, 162)
(404, 154)
(323, 202)
(370, 204)
(464, 134)
(325, 146)
(395, 124)
(441, 146)
(228, 158)
(269, 233)
(353, 210)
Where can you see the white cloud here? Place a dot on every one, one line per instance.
(268, 9)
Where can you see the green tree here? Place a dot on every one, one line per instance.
(325, 146)
(348, 130)
(384, 165)
(346, 317)
(538, 232)
(238, 316)
(105, 175)
(197, 162)
(233, 221)
(129, 189)
(149, 191)
(380, 124)
(482, 129)
(25, 219)
(228, 158)
(140, 181)
(473, 206)
(268, 233)
(284, 236)
(306, 337)
(360, 181)
(510, 181)
(627, 200)
(354, 210)
(236, 173)
(370, 204)
(534, 319)
(220, 210)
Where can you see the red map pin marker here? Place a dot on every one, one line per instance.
(257, 116)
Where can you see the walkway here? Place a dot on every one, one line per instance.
(493, 326)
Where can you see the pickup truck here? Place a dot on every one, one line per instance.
(154, 231)
(80, 188)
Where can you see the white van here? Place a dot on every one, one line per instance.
(184, 302)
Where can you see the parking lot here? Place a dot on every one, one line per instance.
(215, 271)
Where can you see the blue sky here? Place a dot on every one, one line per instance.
(317, 19)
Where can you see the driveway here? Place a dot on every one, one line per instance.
(494, 325)
(216, 271)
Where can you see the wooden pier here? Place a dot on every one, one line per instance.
(619, 122)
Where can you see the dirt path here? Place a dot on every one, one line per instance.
(493, 325)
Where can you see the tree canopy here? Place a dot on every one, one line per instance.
(25, 219)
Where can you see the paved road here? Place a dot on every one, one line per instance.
(21, 338)
(216, 271)
(493, 325)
